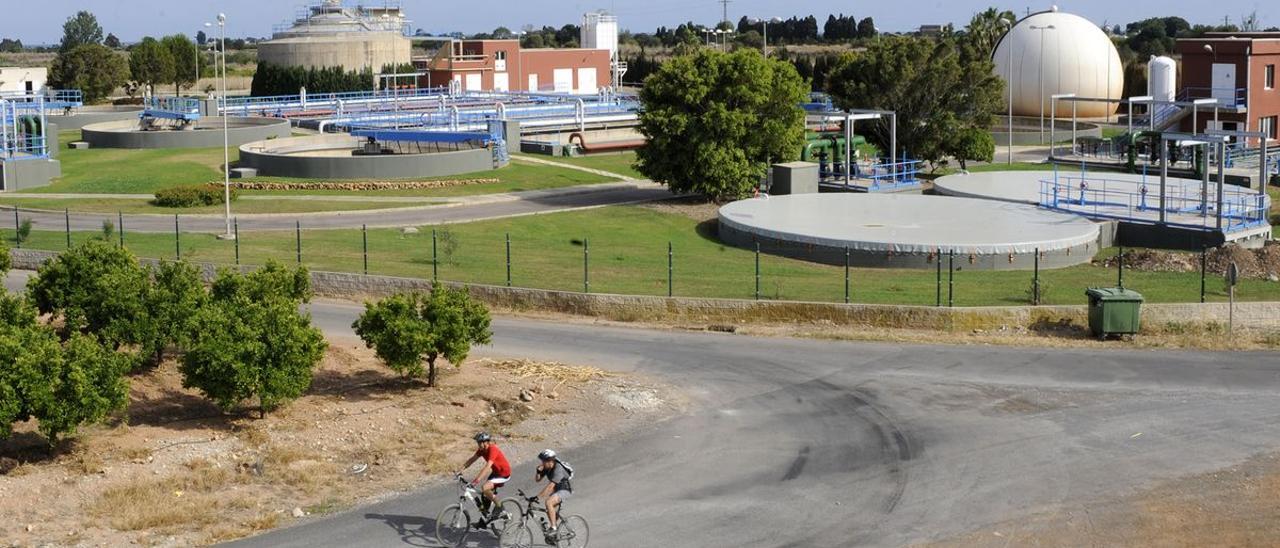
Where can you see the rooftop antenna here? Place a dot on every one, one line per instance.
(725, 3)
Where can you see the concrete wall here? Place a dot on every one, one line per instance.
(736, 312)
(95, 115)
(207, 133)
(351, 51)
(280, 163)
(20, 174)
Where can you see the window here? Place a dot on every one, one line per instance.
(1268, 126)
(500, 55)
(1269, 77)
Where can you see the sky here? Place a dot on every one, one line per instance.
(132, 19)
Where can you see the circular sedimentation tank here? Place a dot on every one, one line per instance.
(205, 133)
(1027, 130)
(94, 114)
(1055, 52)
(908, 231)
(335, 157)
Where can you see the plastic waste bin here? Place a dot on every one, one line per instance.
(1113, 310)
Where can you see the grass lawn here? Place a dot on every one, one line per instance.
(613, 162)
(121, 171)
(628, 254)
(114, 205)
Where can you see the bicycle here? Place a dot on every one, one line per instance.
(572, 533)
(453, 524)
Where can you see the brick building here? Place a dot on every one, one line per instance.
(1238, 69)
(502, 65)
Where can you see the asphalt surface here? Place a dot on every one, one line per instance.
(792, 442)
(529, 203)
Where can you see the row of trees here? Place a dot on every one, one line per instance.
(172, 59)
(277, 80)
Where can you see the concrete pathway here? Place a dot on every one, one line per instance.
(533, 160)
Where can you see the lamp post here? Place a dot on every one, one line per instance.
(226, 138)
(1040, 70)
(765, 26)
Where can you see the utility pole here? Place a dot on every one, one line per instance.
(726, 3)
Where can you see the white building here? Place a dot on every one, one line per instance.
(23, 79)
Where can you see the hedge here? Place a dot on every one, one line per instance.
(191, 196)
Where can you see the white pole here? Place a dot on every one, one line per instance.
(226, 139)
(1009, 113)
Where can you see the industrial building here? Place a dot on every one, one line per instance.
(503, 65)
(1051, 53)
(334, 33)
(1239, 70)
(23, 80)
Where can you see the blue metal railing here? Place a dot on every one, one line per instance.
(1227, 97)
(1128, 200)
(172, 108)
(23, 127)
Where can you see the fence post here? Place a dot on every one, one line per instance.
(177, 239)
(16, 227)
(435, 259)
(508, 259)
(236, 226)
(671, 270)
(1035, 281)
(67, 213)
(364, 239)
(297, 230)
(938, 290)
(586, 265)
(1204, 267)
(757, 271)
(951, 278)
(1120, 269)
(846, 274)
(120, 219)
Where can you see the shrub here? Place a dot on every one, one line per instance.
(410, 330)
(191, 196)
(95, 288)
(24, 231)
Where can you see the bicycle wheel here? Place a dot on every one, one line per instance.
(517, 534)
(511, 511)
(452, 525)
(574, 532)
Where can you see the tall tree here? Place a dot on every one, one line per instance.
(986, 28)
(408, 331)
(716, 121)
(79, 30)
(936, 94)
(151, 63)
(201, 37)
(185, 55)
(867, 28)
(93, 69)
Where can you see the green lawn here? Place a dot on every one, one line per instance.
(628, 254)
(121, 171)
(613, 162)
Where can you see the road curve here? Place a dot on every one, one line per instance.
(795, 442)
(515, 204)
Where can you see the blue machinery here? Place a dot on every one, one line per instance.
(23, 127)
(381, 140)
(181, 111)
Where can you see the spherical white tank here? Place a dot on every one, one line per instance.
(1052, 52)
(1162, 78)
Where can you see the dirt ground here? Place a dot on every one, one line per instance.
(178, 472)
(1238, 506)
(1262, 263)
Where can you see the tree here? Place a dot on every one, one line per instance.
(970, 144)
(251, 341)
(201, 38)
(95, 288)
(716, 121)
(936, 94)
(111, 41)
(185, 55)
(867, 28)
(9, 45)
(408, 330)
(93, 69)
(151, 63)
(79, 30)
(986, 28)
(173, 299)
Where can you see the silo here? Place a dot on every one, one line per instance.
(1162, 78)
(600, 31)
(334, 34)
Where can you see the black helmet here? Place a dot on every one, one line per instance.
(546, 455)
(482, 437)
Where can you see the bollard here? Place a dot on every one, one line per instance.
(297, 230)
(586, 263)
(177, 239)
(364, 237)
(671, 270)
(508, 259)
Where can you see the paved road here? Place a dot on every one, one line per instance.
(510, 205)
(811, 443)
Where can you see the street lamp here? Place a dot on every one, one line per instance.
(226, 139)
(1008, 25)
(1040, 70)
(764, 23)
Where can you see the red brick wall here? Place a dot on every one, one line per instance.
(520, 63)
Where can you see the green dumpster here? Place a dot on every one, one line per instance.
(1113, 310)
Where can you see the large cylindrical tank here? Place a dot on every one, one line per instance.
(1162, 78)
(1052, 52)
(351, 51)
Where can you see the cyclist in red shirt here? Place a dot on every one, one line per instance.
(495, 472)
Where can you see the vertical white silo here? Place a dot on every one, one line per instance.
(1162, 78)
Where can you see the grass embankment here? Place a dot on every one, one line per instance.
(628, 255)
